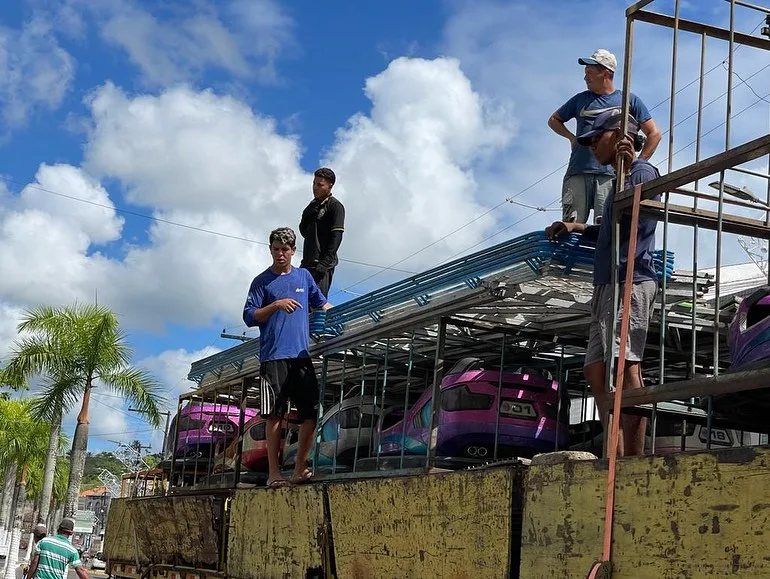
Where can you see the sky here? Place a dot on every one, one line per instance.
(147, 148)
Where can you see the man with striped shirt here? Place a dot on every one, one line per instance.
(55, 553)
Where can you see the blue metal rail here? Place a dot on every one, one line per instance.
(533, 250)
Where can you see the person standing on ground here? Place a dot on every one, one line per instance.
(588, 181)
(606, 143)
(322, 226)
(277, 303)
(54, 554)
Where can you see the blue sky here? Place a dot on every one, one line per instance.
(215, 114)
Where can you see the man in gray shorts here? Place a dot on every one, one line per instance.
(606, 142)
(588, 181)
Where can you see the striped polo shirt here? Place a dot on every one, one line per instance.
(55, 554)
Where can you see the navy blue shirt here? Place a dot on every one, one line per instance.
(283, 336)
(640, 172)
(584, 107)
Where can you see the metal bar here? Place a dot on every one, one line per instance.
(664, 278)
(406, 398)
(693, 325)
(342, 394)
(710, 386)
(700, 28)
(499, 397)
(750, 172)
(382, 406)
(620, 179)
(320, 415)
(363, 385)
(715, 198)
(720, 216)
(438, 376)
(175, 445)
(683, 215)
(736, 156)
(559, 394)
(634, 8)
(752, 6)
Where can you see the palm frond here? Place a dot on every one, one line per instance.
(141, 389)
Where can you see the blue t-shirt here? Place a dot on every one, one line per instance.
(584, 107)
(640, 172)
(283, 336)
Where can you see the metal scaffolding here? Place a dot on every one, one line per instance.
(706, 377)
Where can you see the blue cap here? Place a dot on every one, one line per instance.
(608, 120)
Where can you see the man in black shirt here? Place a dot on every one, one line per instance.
(322, 225)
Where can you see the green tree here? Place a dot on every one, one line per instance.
(23, 442)
(78, 348)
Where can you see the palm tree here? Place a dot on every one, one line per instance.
(23, 441)
(77, 348)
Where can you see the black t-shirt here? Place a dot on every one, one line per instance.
(322, 226)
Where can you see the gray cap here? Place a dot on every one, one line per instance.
(67, 525)
(40, 529)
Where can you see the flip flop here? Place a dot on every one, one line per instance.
(279, 483)
(304, 478)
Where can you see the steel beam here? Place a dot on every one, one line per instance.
(700, 28)
(736, 156)
(722, 384)
(683, 215)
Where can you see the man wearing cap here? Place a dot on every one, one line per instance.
(606, 143)
(54, 554)
(587, 181)
(39, 532)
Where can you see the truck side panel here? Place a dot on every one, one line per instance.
(692, 515)
(453, 525)
(276, 533)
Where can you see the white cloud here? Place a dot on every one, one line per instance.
(171, 368)
(211, 162)
(178, 44)
(36, 71)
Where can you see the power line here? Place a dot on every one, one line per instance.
(122, 210)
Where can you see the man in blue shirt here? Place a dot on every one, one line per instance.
(588, 181)
(278, 303)
(606, 142)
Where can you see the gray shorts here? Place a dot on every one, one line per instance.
(581, 193)
(642, 301)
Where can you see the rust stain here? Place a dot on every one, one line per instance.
(715, 525)
(723, 508)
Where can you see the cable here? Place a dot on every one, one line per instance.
(178, 224)
(747, 84)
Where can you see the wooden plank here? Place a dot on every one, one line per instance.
(700, 28)
(691, 515)
(682, 215)
(736, 156)
(444, 525)
(711, 386)
(276, 533)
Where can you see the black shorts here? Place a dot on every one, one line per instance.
(281, 380)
